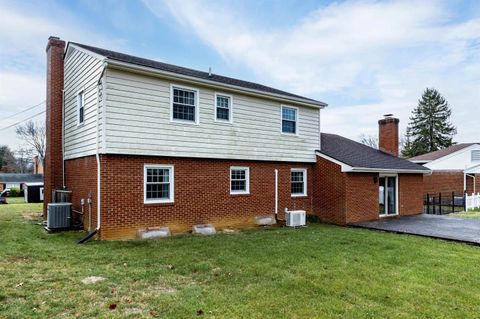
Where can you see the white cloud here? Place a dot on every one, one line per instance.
(386, 52)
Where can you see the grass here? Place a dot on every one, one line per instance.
(320, 271)
(473, 213)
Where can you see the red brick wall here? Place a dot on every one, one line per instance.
(388, 135)
(202, 194)
(445, 182)
(81, 179)
(53, 152)
(329, 192)
(410, 193)
(362, 197)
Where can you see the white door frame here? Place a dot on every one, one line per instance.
(386, 214)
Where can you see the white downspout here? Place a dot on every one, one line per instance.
(63, 139)
(276, 192)
(97, 153)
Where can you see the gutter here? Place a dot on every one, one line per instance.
(212, 84)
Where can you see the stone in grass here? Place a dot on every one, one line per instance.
(153, 232)
(265, 220)
(92, 279)
(204, 229)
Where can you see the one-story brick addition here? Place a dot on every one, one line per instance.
(154, 145)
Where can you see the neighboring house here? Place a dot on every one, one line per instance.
(454, 169)
(152, 144)
(14, 180)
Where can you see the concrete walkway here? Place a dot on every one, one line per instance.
(436, 226)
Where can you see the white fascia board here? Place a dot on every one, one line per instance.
(466, 149)
(473, 169)
(345, 168)
(212, 84)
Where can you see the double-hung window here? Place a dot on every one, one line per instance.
(158, 184)
(184, 105)
(239, 180)
(298, 182)
(223, 108)
(289, 120)
(80, 108)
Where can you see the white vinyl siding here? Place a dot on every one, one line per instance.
(82, 72)
(139, 123)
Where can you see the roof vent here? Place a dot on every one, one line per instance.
(387, 116)
(210, 72)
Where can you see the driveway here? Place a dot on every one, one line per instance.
(436, 226)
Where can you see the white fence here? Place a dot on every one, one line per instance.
(472, 201)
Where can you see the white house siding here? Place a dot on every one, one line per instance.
(138, 122)
(82, 71)
(456, 161)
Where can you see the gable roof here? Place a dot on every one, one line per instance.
(360, 156)
(20, 178)
(440, 153)
(130, 59)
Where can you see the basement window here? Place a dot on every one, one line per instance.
(158, 184)
(298, 182)
(223, 108)
(184, 106)
(239, 180)
(289, 120)
(80, 108)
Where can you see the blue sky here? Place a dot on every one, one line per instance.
(364, 58)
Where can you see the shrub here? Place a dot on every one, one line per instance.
(14, 192)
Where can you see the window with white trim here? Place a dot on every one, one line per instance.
(298, 182)
(80, 107)
(158, 184)
(184, 104)
(239, 180)
(476, 156)
(289, 120)
(223, 107)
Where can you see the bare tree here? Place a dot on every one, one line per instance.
(369, 140)
(34, 135)
(24, 160)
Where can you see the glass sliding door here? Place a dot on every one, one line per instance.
(387, 195)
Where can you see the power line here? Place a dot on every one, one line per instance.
(23, 111)
(28, 118)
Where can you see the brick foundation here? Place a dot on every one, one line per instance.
(202, 193)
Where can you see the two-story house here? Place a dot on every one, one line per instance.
(153, 144)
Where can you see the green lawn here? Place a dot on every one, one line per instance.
(474, 213)
(320, 271)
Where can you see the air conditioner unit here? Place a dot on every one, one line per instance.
(59, 215)
(295, 218)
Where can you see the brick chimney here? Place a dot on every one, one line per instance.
(388, 134)
(53, 152)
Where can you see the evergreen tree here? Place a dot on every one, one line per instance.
(429, 128)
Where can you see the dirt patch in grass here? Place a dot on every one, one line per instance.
(32, 216)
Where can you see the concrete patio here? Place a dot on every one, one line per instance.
(460, 229)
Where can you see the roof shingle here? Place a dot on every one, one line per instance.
(359, 155)
(190, 72)
(441, 153)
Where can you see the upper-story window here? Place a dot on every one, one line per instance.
(184, 104)
(80, 107)
(223, 108)
(289, 120)
(476, 156)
